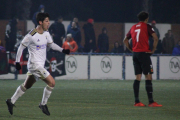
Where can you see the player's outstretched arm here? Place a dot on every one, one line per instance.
(126, 42)
(18, 56)
(57, 48)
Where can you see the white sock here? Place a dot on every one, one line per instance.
(19, 92)
(46, 94)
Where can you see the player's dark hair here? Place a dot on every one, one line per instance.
(41, 17)
(142, 16)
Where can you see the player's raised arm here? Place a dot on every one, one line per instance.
(58, 48)
(54, 46)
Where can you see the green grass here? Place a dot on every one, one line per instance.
(92, 100)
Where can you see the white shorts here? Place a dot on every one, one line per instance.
(38, 71)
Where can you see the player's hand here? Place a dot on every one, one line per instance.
(66, 51)
(152, 52)
(18, 66)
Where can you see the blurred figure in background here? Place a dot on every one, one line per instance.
(70, 44)
(90, 39)
(7, 34)
(10, 34)
(76, 34)
(168, 42)
(176, 50)
(18, 40)
(103, 41)
(40, 9)
(57, 31)
(70, 25)
(118, 48)
(153, 24)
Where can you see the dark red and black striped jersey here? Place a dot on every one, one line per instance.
(140, 33)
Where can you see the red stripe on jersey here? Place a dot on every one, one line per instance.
(140, 33)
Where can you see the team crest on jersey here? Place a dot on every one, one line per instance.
(38, 40)
(38, 47)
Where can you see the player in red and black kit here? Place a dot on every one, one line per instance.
(140, 33)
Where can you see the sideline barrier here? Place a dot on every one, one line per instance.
(76, 67)
(106, 67)
(113, 66)
(169, 67)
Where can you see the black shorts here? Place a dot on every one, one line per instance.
(142, 63)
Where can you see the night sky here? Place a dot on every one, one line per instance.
(163, 11)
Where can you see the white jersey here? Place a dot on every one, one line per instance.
(37, 44)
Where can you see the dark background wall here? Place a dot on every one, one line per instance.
(163, 11)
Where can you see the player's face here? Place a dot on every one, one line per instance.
(45, 24)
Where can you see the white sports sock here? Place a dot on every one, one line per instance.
(46, 94)
(19, 92)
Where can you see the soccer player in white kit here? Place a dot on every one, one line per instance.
(36, 41)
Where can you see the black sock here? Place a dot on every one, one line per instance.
(136, 90)
(149, 90)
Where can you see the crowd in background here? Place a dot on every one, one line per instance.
(72, 38)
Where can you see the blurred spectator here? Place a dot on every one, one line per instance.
(70, 25)
(57, 31)
(76, 34)
(18, 40)
(40, 9)
(2, 49)
(118, 48)
(168, 43)
(90, 39)
(153, 24)
(176, 50)
(70, 44)
(10, 34)
(103, 41)
(7, 34)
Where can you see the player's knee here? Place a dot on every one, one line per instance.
(138, 77)
(52, 84)
(148, 77)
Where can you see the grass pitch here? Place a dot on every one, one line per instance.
(92, 100)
